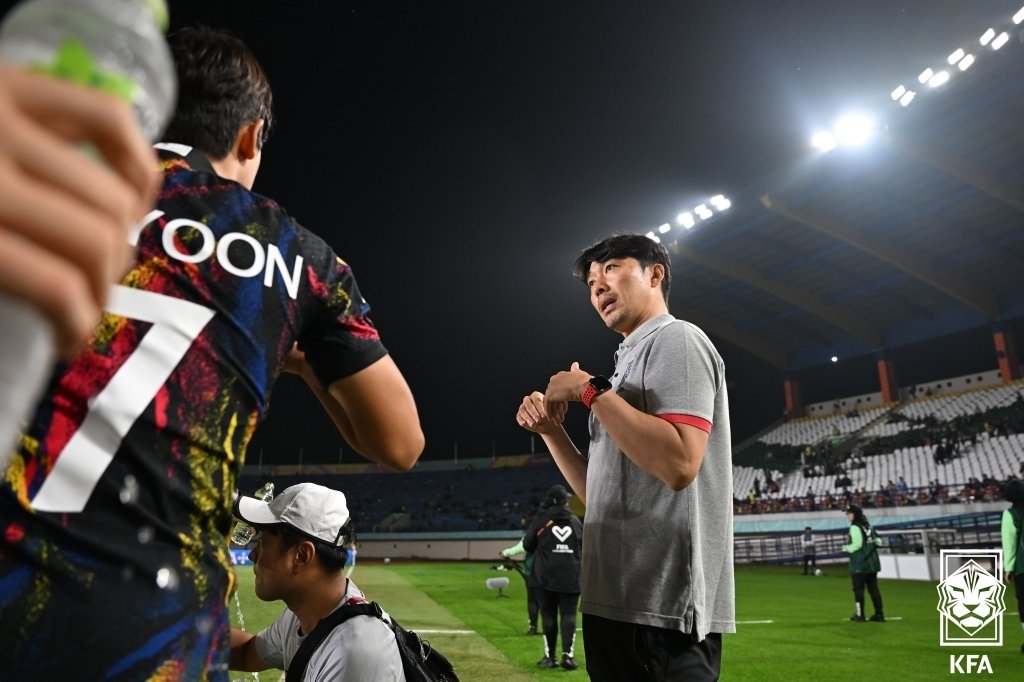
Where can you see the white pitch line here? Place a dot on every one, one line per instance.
(441, 632)
(754, 622)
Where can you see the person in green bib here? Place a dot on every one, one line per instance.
(1013, 543)
(864, 563)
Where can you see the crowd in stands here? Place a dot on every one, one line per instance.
(837, 456)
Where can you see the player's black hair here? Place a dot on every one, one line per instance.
(221, 87)
(645, 250)
(1014, 493)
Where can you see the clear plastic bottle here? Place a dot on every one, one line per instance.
(243, 533)
(114, 45)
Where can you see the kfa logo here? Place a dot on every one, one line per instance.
(971, 598)
(969, 663)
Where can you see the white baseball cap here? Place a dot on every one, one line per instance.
(309, 508)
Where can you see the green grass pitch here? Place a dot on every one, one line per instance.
(790, 626)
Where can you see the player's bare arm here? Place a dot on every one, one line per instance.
(243, 652)
(373, 409)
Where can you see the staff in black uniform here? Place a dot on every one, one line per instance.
(556, 538)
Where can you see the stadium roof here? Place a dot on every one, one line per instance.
(916, 235)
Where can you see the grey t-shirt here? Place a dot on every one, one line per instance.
(360, 649)
(653, 556)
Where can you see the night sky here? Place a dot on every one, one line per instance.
(459, 155)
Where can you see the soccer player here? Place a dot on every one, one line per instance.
(116, 507)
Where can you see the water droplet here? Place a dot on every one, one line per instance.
(167, 579)
(129, 492)
(145, 535)
(127, 573)
(204, 625)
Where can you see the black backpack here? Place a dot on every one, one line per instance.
(421, 662)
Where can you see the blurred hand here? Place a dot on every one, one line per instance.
(65, 217)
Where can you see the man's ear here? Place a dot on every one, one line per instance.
(249, 140)
(657, 274)
(305, 555)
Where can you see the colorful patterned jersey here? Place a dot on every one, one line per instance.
(115, 510)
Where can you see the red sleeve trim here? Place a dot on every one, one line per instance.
(702, 424)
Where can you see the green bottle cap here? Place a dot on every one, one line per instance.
(160, 14)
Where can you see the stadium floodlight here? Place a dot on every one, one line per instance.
(925, 75)
(686, 220)
(941, 78)
(854, 130)
(703, 212)
(956, 56)
(966, 62)
(1019, 16)
(720, 202)
(897, 93)
(1000, 40)
(664, 228)
(834, 359)
(987, 36)
(653, 237)
(824, 141)
(907, 98)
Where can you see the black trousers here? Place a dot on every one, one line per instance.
(532, 604)
(809, 560)
(552, 606)
(618, 651)
(1018, 585)
(869, 580)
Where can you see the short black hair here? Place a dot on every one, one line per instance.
(645, 250)
(1014, 493)
(221, 87)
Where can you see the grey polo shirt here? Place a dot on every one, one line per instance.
(653, 556)
(360, 649)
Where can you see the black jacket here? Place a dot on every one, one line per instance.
(556, 539)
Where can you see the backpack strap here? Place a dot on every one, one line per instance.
(297, 666)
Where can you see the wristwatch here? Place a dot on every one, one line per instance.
(595, 387)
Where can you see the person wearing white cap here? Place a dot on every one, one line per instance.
(306, 538)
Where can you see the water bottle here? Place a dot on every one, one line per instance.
(243, 533)
(112, 45)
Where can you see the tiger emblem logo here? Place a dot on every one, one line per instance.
(971, 597)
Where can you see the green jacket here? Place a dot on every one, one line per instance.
(1013, 540)
(863, 555)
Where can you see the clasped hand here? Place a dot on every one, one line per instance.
(544, 412)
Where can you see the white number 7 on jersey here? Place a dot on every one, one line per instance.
(176, 324)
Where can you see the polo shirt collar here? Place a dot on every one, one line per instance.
(645, 330)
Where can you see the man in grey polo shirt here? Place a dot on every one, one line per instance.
(305, 542)
(658, 589)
